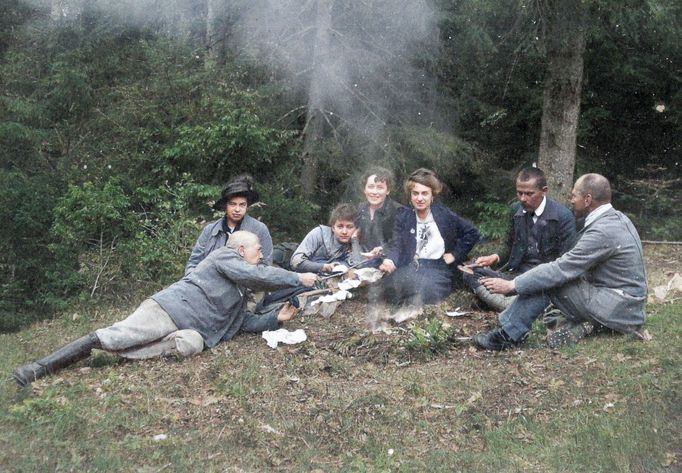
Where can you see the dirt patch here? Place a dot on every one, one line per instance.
(662, 262)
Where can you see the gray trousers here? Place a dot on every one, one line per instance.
(578, 300)
(496, 302)
(147, 333)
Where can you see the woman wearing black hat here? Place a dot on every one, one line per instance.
(235, 199)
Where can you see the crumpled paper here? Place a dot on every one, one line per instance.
(335, 297)
(674, 285)
(282, 335)
(348, 284)
(458, 312)
(368, 275)
(340, 268)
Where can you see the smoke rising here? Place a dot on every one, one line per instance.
(355, 60)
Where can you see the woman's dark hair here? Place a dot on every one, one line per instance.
(382, 175)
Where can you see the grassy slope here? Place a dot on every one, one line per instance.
(350, 403)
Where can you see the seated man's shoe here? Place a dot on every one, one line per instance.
(553, 318)
(569, 333)
(495, 340)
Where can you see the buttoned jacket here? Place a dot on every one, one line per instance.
(555, 230)
(458, 234)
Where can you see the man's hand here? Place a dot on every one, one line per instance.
(307, 279)
(387, 266)
(449, 258)
(487, 260)
(498, 285)
(287, 312)
(375, 252)
(327, 268)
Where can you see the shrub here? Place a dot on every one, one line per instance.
(428, 338)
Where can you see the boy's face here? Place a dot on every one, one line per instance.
(235, 210)
(342, 230)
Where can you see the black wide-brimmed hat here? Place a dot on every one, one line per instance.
(240, 186)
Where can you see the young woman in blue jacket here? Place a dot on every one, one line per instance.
(430, 240)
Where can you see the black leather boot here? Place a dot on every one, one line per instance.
(495, 340)
(65, 356)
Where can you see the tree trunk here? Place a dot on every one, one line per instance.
(313, 133)
(565, 45)
(216, 19)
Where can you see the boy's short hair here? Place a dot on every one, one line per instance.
(343, 211)
(382, 175)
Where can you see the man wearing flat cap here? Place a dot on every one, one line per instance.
(237, 196)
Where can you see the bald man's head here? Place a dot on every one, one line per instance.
(589, 192)
(247, 245)
(596, 185)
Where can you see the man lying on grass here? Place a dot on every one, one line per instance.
(599, 283)
(204, 308)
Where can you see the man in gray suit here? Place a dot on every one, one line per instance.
(600, 282)
(204, 308)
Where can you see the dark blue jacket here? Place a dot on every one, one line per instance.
(557, 234)
(459, 235)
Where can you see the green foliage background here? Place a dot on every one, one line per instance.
(115, 137)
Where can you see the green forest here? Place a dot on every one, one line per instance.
(119, 124)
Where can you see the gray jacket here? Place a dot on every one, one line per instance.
(318, 248)
(212, 298)
(608, 255)
(213, 237)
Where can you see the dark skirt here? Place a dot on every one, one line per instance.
(425, 281)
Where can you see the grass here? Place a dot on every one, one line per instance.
(608, 404)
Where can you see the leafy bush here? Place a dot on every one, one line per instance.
(166, 229)
(492, 219)
(287, 215)
(26, 215)
(92, 225)
(237, 141)
(428, 337)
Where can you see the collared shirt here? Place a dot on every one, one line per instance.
(539, 210)
(592, 216)
(230, 231)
